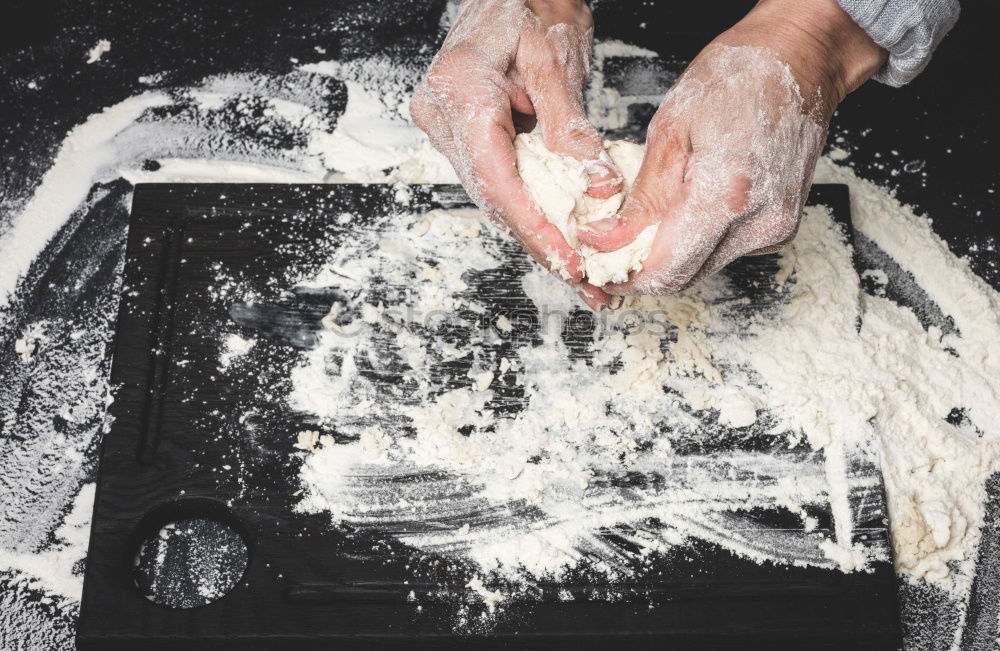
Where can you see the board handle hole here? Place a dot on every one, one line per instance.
(189, 554)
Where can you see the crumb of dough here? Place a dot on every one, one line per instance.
(558, 185)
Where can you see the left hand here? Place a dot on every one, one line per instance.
(504, 60)
(731, 150)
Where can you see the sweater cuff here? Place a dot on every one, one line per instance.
(908, 29)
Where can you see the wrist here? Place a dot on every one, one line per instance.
(827, 51)
(554, 12)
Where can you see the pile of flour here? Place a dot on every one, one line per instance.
(808, 367)
(935, 467)
(551, 472)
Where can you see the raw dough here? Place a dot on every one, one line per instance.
(558, 184)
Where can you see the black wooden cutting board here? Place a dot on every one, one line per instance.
(177, 422)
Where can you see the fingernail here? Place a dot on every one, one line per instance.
(602, 226)
(603, 178)
(616, 302)
(600, 172)
(594, 303)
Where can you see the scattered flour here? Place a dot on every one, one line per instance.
(882, 393)
(86, 154)
(489, 597)
(27, 345)
(935, 471)
(95, 53)
(307, 440)
(581, 425)
(56, 570)
(234, 347)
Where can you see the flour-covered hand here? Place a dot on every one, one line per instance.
(731, 150)
(504, 61)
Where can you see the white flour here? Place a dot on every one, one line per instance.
(88, 152)
(579, 421)
(53, 570)
(806, 367)
(934, 471)
(101, 48)
(235, 347)
(30, 339)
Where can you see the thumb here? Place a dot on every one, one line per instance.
(612, 233)
(658, 187)
(567, 131)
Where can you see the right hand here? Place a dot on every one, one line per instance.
(731, 151)
(508, 58)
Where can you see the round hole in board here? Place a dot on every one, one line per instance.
(188, 555)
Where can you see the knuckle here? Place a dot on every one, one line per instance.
(446, 72)
(461, 82)
(422, 107)
(575, 135)
(655, 131)
(643, 205)
(663, 282)
(553, 58)
(784, 228)
(666, 143)
(498, 219)
(660, 130)
(667, 287)
(439, 83)
(738, 200)
(738, 206)
(579, 128)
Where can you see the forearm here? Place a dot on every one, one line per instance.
(829, 54)
(552, 12)
(909, 31)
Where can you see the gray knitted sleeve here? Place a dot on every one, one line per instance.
(908, 29)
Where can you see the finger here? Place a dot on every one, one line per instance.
(564, 264)
(595, 297)
(658, 189)
(428, 117)
(567, 131)
(754, 236)
(691, 233)
(494, 167)
(477, 109)
(519, 100)
(554, 84)
(683, 243)
(483, 155)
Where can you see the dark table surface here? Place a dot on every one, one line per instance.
(930, 142)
